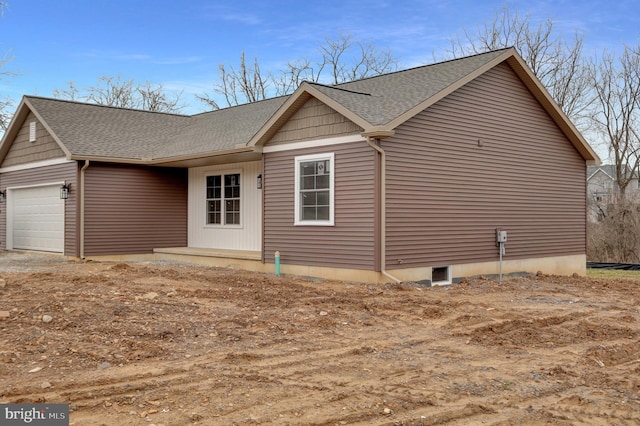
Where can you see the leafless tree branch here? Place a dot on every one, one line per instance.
(340, 60)
(116, 92)
(557, 63)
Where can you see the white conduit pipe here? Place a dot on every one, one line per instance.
(383, 213)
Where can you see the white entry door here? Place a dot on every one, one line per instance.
(37, 218)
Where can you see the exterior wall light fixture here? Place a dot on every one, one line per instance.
(64, 190)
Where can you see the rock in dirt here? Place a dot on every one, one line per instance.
(45, 385)
(35, 370)
(150, 296)
(104, 366)
(4, 315)
(3, 283)
(47, 318)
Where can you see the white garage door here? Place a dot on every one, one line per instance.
(38, 219)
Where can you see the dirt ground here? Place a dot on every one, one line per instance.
(172, 344)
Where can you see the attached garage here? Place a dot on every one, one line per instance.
(36, 219)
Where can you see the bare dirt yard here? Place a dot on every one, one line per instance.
(172, 344)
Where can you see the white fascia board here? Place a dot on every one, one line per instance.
(313, 143)
(34, 165)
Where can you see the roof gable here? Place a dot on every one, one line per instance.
(22, 149)
(314, 120)
(22, 112)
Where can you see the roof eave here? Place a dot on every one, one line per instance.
(378, 132)
(162, 160)
(237, 150)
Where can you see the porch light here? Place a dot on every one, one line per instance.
(64, 191)
(3, 195)
(260, 181)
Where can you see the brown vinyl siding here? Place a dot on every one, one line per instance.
(348, 244)
(41, 176)
(132, 210)
(312, 121)
(22, 151)
(446, 194)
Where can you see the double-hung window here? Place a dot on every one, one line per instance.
(223, 199)
(314, 189)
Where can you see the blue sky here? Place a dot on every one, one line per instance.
(180, 44)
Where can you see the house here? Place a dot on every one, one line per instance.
(603, 190)
(400, 177)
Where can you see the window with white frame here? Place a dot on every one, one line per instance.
(314, 188)
(223, 199)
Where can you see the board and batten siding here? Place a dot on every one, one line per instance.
(487, 156)
(41, 176)
(247, 236)
(134, 209)
(23, 151)
(314, 120)
(351, 242)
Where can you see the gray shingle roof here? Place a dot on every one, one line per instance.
(93, 130)
(221, 130)
(88, 130)
(383, 98)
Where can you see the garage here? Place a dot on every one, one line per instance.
(37, 218)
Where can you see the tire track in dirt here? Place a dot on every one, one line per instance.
(187, 345)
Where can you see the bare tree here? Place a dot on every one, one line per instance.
(6, 103)
(340, 60)
(616, 238)
(362, 60)
(238, 86)
(72, 93)
(155, 98)
(113, 91)
(615, 113)
(558, 64)
(116, 92)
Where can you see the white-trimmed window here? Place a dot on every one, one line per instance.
(314, 189)
(223, 199)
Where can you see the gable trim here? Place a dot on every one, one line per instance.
(35, 165)
(295, 102)
(313, 143)
(14, 126)
(600, 171)
(48, 128)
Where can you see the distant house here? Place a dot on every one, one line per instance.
(404, 176)
(603, 190)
